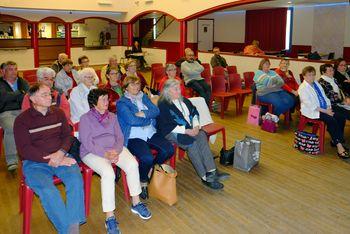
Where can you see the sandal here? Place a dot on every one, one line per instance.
(344, 155)
(335, 145)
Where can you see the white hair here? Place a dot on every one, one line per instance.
(43, 71)
(88, 71)
(170, 83)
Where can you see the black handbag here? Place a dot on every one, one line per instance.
(74, 150)
(226, 156)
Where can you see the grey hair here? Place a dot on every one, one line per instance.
(170, 66)
(85, 72)
(114, 57)
(170, 83)
(42, 71)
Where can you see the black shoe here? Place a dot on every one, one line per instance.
(144, 193)
(221, 176)
(211, 176)
(213, 185)
(216, 176)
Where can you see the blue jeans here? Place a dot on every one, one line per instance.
(38, 177)
(280, 100)
(142, 150)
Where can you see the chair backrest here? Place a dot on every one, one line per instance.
(157, 74)
(218, 70)
(206, 68)
(248, 79)
(231, 69)
(206, 75)
(218, 83)
(98, 73)
(156, 65)
(30, 76)
(235, 81)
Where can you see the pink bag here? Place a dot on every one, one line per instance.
(269, 126)
(253, 115)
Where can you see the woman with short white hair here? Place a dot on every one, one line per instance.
(78, 98)
(46, 75)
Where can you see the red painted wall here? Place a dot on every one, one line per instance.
(172, 49)
(229, 46)
(346, 54)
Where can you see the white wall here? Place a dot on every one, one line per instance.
(171, 33)
(24, 58)
(303, 24)
(347, 28)
(250, 63)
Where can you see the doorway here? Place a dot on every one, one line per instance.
(205, 29)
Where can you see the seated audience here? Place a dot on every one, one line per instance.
(333, 92)
(217, 60)
(84, 63)
(114, 88)
(191, 71)
(136, 48)
(170, 70)
(342, 75)
(57, 65)
(290, 84)
(131, 70)
(78, 98)
(43, 138)
(12, 91)
(112, 63)
(101, 146)
(67, 78)
(253, 49)
(316, 105)
(183, 59)
(179, 123)
(269, 88)
(137, 118)
(46, 76)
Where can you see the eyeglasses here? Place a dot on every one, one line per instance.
(171, 70)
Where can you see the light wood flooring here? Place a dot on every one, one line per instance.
(288, 192)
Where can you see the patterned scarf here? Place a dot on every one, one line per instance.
(100, 117)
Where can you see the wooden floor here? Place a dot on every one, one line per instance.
(288, 192)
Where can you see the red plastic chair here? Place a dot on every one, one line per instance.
(317, 126)
(231, 69)
(26, 195)
(235, 86)
(157, 74)
(30, 76)
(219, 92)
(98, 73)
(248, 79)
(218, 71)
(206, 73)
(270, 109)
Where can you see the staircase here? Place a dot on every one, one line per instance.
(160, 25)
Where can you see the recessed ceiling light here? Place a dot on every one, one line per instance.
(289, 2)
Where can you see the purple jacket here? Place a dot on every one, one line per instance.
(97, 138)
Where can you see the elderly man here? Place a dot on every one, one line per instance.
(43, 138)
(57, 65)
(46, 76)
(191, 70)
(217, 60)
(12, 91)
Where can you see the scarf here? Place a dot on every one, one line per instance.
(136, 100)
(332, 83)
(320, 97)
(100, 117)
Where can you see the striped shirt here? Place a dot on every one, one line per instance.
(38, 135)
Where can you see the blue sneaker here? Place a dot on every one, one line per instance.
(112, 226)
(141, 210)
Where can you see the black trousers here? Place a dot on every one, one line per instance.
(202, 88)
(335, 126)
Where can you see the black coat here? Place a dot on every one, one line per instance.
(345, 86)
(9, 99)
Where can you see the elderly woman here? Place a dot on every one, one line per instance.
(342, 75)
(78, 98)
(269, 88)
(316, 105)
(46, 76)
(67, 77)
(113, 87)
(131, 70)
(179, 123)
(84, 63)
(170, 70)
(137, 118)
(112, 63)
(333, 92)
(101, 146)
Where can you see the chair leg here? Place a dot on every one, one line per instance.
(87, 176)
(223, 138)
(172, 160)
(222, 111)
(27, 212)
(322, 130)
(287, 118)
(20, 196)
(125, 186)
(181, 153)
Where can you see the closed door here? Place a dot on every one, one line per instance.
(205, 34)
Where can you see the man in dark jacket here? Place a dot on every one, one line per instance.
(12, 91)
(57, 65)
(217, 60)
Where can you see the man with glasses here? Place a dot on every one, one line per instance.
(46, 76)
(12, 91)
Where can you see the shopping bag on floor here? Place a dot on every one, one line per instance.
(247, 153)
(307, 142)
(163, 184)
(253, 115)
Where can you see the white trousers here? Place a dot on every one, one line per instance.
(103, 167)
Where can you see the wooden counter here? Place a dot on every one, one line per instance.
(15, 43)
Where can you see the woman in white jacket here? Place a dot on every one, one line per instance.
(316, 105)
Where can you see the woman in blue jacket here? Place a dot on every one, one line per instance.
(137, 117)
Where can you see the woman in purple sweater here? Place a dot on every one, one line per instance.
(101, 146)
